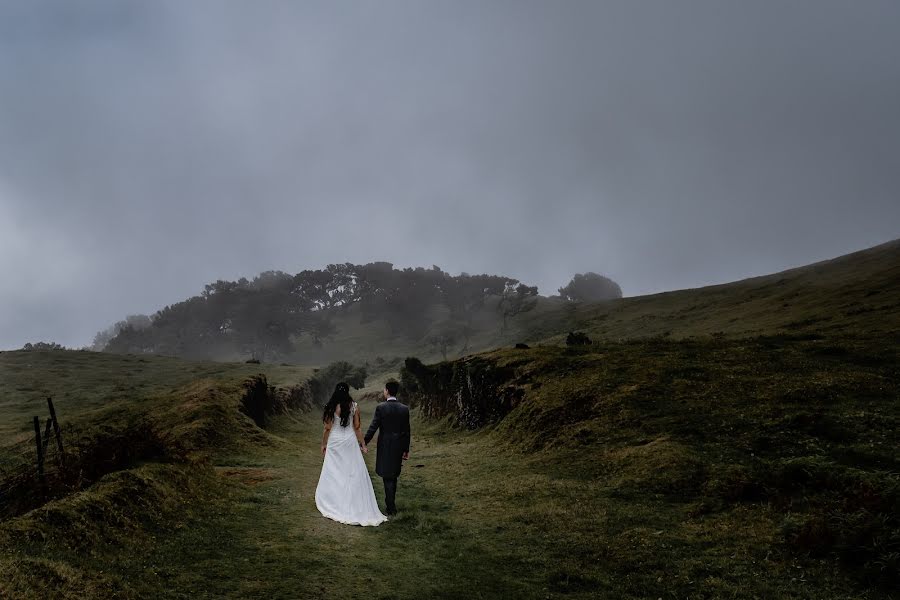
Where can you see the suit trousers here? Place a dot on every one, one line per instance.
(390, 493)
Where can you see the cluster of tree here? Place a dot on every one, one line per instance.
(251, 318)
(105, 337)
(263, 318)
(578, 338)
(37, 346)
(590, 287)
(323, 382)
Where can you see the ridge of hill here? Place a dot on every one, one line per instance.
(858, 292)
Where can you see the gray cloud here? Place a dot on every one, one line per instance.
(149, 148)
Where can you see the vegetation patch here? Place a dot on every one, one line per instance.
(186, 426)
(322, 383)
(711, 425)
(474, 392)
(135, 471)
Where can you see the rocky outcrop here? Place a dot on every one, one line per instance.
(473, 392)
(260, 401)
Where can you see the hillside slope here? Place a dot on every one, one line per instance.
(769, 406)
(790, 440)
(649, 468)
(139, 435)
(375, 343)
(858, 293)
(855, 292)
(756, 462)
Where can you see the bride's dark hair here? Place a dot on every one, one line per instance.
(340, 396)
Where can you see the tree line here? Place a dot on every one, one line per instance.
(265, 316)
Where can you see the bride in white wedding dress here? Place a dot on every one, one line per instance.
(345, 491)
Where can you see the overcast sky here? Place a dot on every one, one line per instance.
(148, 148)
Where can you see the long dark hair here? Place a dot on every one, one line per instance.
(340, 396)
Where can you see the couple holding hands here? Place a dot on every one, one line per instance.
(345, 492)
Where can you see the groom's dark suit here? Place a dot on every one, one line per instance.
(392, 418)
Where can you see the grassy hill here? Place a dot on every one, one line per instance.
(731, 441)
(371, 341)
(858, 293)
(139, 434)
(740, 463)
(85, 384)
(767, 407)
(854, 292)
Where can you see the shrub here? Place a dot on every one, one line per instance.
(37, 346)
(577, 338)
(324, 380)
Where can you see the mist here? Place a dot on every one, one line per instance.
(148, 149)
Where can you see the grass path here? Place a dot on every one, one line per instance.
(474, 522)
(266, 538)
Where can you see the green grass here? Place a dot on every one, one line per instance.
(82, 383)
(787, 443)
(731, 442)
(247, 526)
(476, 520)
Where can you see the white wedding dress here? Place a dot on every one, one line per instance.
(345, 491)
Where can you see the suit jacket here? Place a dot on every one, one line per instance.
(392, 419)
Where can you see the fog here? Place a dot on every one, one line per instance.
(149, 148)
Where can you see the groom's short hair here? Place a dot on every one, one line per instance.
(392, 387)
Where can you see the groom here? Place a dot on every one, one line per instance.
(392, 417)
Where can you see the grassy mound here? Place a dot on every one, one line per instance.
(134, 466)
(808, 427)
(187, 425)
(54, 547)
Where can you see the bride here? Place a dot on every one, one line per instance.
(345, 491)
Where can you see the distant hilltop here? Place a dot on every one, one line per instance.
(279, 316)
(375, 312)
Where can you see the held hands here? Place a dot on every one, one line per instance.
(406, 456)
(365, 449)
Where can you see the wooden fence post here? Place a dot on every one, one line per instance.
(46, 440)
(59, 444)
(40, 452)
